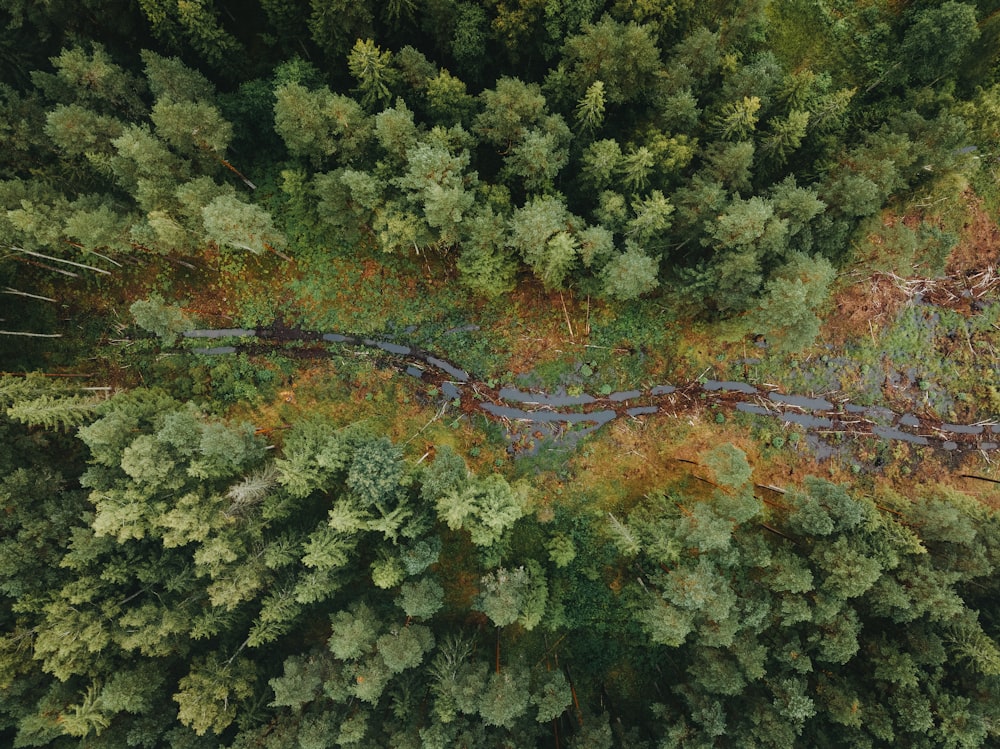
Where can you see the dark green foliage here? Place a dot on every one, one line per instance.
(790, 620)
(937, 41)
(424, 113)
(178, 592)
(624, 57)
(166, 579)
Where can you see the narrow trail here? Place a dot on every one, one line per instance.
(535, 418)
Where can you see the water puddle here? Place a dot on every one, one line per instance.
(391, 348)
(221, 333)
(543, 399)
(736, 387)
(625, 396)
(547, 417)
(805, 420)
(811, 404)
(889, 433)
(963, 428)
(459, 374)
(216, 351)
(878, 413)
(462, 329)
(566, 427)
(821, 449)
(642, 410)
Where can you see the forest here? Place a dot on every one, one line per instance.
(570, 374)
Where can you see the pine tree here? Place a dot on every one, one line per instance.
(165, 320)
(631, 274)
(210, 694)
(738, 119)
(590, 108)
(371, 68)
(623, 56)
(505, 698)
(230, 222)
(54, 412)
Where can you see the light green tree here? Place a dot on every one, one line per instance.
(371, 68)
(166, 321)
(793, 295)
(738, 118)
(630, 274)
(590, 108)
(211, 693)
(230, 222)
(318, 124)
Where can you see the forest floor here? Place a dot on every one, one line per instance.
(913, 344)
